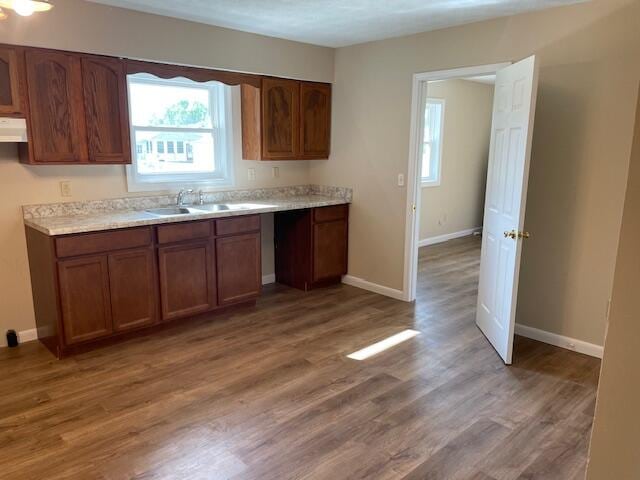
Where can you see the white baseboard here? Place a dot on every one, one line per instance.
(448, 236)
(23, 337)
(373, 287)
(560, 341)
(270, 278)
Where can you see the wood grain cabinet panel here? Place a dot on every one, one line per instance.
(10, 101)
(280, 119)
(315, 120)
(106, 110)
(84, 298)
(329, 250)
(187, 279)
(56, 112)
(239, 268)
(132, 281)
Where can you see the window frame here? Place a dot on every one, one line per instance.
(220, 108)
(436, 179)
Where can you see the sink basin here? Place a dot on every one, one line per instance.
(222, 207)
(170, 211)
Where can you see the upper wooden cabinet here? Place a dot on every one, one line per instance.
(56, 112)
(106, 110)
(10, 100)
(315, 119)
(286, 120)
(77, 109)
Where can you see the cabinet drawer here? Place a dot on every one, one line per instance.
(86, 243)
(329, 214)
(179, 232)
(234, 225)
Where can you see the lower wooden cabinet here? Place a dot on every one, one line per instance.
(187, 279)
(311, 246)
(99, 286)
(84, 298)
(133, 289)
(239, 268)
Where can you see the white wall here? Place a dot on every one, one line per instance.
(457, 204)
(588, 85)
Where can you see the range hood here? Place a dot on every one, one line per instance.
(13, 129)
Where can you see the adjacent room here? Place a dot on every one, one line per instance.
(319, 240)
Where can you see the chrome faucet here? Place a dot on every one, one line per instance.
(200, 197)
(181, 194)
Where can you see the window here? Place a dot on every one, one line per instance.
(189, 125)
(431, 147)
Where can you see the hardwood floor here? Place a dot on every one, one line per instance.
(268, 393)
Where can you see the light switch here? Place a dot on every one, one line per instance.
(275, 172)
(251, 174)
(65, 188)
(401, 179)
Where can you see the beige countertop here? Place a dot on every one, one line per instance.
(91, 222)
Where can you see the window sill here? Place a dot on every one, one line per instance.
(430, 184)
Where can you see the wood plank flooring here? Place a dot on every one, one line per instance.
(268, 393)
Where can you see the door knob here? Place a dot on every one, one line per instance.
(515, 235)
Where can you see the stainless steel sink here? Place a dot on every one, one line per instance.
(222, 207)
(170, 211)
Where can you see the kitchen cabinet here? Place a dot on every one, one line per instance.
(84, 298)
(100, 286)
(133, 289)
(286, 120)
(56, 112)
(10, 91)
(106, 110)
(311, 246)
(238, 252)
(315, 120)
(239, 271)
(187, 279)
(78, 112)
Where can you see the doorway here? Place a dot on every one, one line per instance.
(510, 132)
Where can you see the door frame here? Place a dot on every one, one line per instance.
(414, 188)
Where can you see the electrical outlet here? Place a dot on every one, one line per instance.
(275, 172)
(401, 180)
(65, 188)
(251, 174)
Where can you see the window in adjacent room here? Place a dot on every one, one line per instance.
(431, 147)
(189, 125)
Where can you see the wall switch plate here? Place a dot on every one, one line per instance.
(251, 174)
(401, 179)
(275, 172)
(65, 188)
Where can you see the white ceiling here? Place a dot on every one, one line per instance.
(336, 23)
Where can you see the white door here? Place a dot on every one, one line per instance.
(513, 113)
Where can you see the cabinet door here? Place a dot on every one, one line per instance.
(239, 268)
(84, 298)
(315, 119)
(54, 84)
(280, 119)
(9, 81)
(106, 110)
(133, 286)
(329, 250)
(187, 279)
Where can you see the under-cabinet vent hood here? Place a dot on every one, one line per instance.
(13, 129)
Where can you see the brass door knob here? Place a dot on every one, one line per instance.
(512, 234)
(524, 235)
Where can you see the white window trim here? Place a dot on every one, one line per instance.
(438, 179)
(175, 182)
